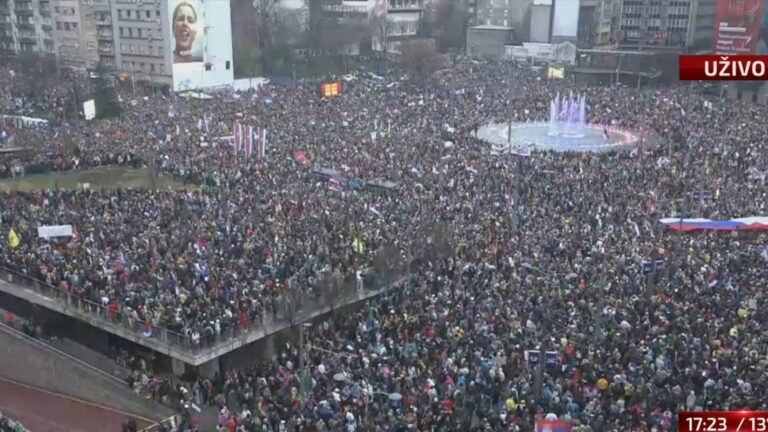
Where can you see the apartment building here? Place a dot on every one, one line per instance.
(26, 26)
(140, 44)
(74, 37)
(403, 19)
(502, 13)
(673, 23)
(598, 20)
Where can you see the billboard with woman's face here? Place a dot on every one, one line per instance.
(187, 30)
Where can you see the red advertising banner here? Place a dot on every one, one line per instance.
(330, 89)
(737, 27)
(723, 68)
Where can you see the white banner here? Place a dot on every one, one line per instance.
(49, 231)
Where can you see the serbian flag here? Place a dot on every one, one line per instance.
(739, 224)
(248, 141)
(238, 137)
(335, 185)
(201, 246)
(75, 236)
(712, 279)
(552, 426)
(262, 143)
(301, 157)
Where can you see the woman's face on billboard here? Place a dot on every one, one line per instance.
(184, 27)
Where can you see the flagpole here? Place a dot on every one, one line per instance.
(509, 114)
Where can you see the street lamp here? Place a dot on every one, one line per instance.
(302, 371)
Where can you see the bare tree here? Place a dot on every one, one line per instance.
(421, 59)
(450, 24)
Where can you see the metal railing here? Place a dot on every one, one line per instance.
(286, 312)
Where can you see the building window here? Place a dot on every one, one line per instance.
(148, 14)
(58, 26)
(162, 69)
(157, 14)
(130, 32)
(138, 32)
(151, 65)
(91, 46)
(122, 32)
(128, 13)
(120, 14)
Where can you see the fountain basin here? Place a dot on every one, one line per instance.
(539, 135)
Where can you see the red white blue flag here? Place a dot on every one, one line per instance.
(238, 137)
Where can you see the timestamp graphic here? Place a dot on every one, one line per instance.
(723, 421)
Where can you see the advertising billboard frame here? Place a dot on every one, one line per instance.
(188, 35)
(739, 27)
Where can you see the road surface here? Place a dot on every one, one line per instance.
(41, 411)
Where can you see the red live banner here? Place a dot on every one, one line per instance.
(723, 68)
(734, 421)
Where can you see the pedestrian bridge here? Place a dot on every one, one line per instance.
(164, 341)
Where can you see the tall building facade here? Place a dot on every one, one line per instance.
(598, 20)
(75, 41)
(26, 26)
(674, 23)
(393, 20)
(504, 13)
(140, 45)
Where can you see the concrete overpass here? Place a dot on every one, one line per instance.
(178, 347)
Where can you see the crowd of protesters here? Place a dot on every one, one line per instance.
(506, 255)
(8, 425)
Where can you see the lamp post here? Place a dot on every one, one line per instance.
(618, 68)
(302, 361)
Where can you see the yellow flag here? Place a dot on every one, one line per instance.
(358, 245)
(13, 239)
(556, 72)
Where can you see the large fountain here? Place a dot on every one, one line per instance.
(567, 129)
(568, 117)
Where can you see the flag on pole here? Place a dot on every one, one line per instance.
(13, 239)
(262, 143)
(248, 140)
(238, 137)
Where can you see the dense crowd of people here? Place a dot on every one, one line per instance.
(8, 425)
(506, 255)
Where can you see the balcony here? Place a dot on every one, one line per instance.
(25, 26)
(404, 5)
(24, 9)
(105, 36)
(106, 51)
(103, 21)
(27, 39)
